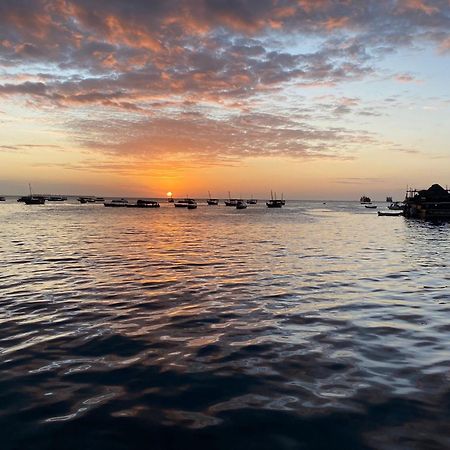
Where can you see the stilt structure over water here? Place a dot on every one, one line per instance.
(431, 203)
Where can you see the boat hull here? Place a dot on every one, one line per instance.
(34, 201)
(390, 213)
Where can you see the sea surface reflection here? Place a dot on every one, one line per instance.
(311, 327)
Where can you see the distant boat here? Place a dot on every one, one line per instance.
(390, 213)
(396, 206)
(85, 199)
(144, 204)
(2, 199)
(252, 201)
(388, 199)
(186, 203)
(212, 201)
(241, 204)
(99, 199)
(273, 202)
(365, 200)
(32, 199)
(371, 206)
(117, 203)
(231, 201)
(56, 198)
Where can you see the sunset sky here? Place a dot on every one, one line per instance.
(313, 98)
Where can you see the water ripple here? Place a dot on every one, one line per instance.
(308, 327)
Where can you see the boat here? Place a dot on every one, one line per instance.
(370, 206)
(273, 202)
(365, 200)
(396, 206)
(388, 199)
(241, 204)
(212, 201)
(252, 201)
(169, 197)
(390, 213)
(99, 199)
(144, 204)
(85, 199)
(117, 203)
(185, 203)
(56, 198)
(2, 199)
(231, 201)
(32, 199)
(283, 201)
(431, 203)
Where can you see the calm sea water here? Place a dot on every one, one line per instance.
(311, 327)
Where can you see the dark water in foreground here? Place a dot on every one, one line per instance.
(311, 327)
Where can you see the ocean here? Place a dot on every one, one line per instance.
(314, 326)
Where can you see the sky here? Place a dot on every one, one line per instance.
(317, 99)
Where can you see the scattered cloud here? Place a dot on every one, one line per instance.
(190, 76)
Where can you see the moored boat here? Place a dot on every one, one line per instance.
(396, 206)
(365, 200)
(186, 203)
(390, 213)
(86, 199)
(370, 206)
(273, 202)
(252, 201)
(231, 201)
(2, 199)
(56, 198)
(117, 203)
(212, 201)
(241, 204)
(32, 199)
(144, 204)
